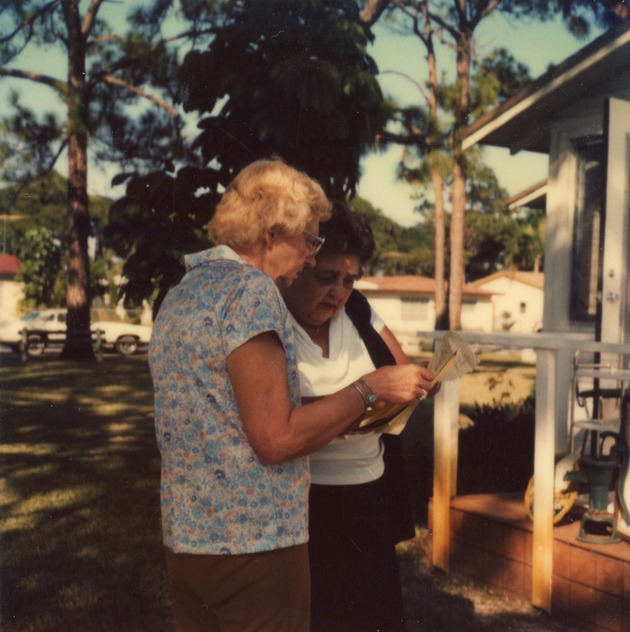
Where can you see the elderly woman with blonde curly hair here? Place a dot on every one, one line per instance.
(232, 434)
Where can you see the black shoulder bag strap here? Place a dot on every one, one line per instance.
(360, 313)
(400, 521)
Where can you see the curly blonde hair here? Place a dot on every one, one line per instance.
(267, 194)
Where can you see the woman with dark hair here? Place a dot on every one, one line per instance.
(232, 434)
(356, 514)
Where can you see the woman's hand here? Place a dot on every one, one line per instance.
(400, 384)
(436, 387)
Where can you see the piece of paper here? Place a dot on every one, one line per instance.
(452, 358)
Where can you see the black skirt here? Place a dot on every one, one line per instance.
(354, 570)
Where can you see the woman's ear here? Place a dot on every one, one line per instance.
(269, 236)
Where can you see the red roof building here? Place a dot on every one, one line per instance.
(9, 266)
(406, 303)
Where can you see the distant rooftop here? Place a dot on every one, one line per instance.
(533, 279)
(9, 266)
(410, 284)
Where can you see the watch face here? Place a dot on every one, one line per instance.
(371, 398)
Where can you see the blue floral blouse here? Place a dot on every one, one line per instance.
(217, 496)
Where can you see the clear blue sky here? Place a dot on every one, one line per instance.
(536, 45)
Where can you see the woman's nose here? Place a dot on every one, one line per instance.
(310, 261)
(336, 290)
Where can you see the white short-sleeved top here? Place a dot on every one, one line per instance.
(353, 459)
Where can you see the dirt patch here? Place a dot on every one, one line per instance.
(437, 602)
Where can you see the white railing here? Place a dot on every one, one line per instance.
(445, 422)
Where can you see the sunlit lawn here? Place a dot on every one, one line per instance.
(80, 545)
(80, 540)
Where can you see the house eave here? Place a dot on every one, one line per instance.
(523, 122)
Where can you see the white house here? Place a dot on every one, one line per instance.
(578, 114)
(517, 300)
(11, 291)
(407, 305)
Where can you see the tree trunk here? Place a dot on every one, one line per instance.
(462, 112)
(441, 312)
(78, 345)
(456, 282)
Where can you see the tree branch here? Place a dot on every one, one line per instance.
(89, 18)
(491, 6)
(418, 139)
(125, 62)
(30, 22)
(160, 102)
(53, 162)
(435, 17)
(409, 78)
(372, 11)
(57, 84)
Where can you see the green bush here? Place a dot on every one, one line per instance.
(496, 451)
(496, 448)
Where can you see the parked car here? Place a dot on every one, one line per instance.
(48, 326)
(124, 337)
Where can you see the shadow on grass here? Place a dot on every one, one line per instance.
(80, 543)
(80, 539)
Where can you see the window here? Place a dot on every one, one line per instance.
(468, 306)
(414, 308)
(587, 231)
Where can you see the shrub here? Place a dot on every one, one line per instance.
(496, 451)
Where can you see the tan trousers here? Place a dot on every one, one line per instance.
(257, 592)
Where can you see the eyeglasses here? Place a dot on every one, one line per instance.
(313, 241)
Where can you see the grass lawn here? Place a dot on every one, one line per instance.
(80, 540)
(80, 533)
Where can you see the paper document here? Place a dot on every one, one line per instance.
(452, 358)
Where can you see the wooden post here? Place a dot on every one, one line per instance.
(445, 423)
(99, 345)
(24, 345)
(544, 470)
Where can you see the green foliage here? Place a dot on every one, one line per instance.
(120, 68)
(485, 238)
(432, 132)
(290, 78)
(43, 202)
(40, 254)
(578, 14)
(114, 95)
(494, 239)
(41, 206)
(524, 247)
(496, 452)
(283, 77)
(506, 323)
(398, 250)
(151, 228)
(495, 80)
(31, 141)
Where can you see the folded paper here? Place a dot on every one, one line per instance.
(452, 358)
